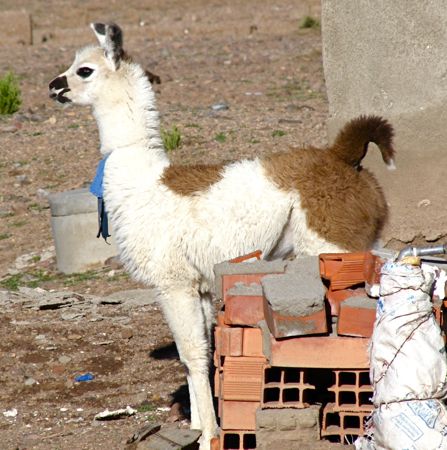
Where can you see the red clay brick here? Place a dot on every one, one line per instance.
(243, 309)
(237, 440)
(236, 415)
(252, 343)
(215, 443)
(357, 319)
(253, 255)
(320, 352)
(344, 270)
(242, 378)
(286, 388)
(230, 342)
(335, 298)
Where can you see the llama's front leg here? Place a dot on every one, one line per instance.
(184, 314)
(195, 417)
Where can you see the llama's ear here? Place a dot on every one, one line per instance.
(110, 38)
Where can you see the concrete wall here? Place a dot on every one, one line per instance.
(390, 58)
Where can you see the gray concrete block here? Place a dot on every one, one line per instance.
(74, 222)
(388, 58)
(266, 341)
(360, 302)
(15, 28)
(294, 294)
(245, 268)
(292, 428)
(245, 289)
(171, 437)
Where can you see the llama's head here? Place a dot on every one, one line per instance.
(94, 69)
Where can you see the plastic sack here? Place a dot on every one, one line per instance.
(408, 367)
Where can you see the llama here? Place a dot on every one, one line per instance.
(172, 224)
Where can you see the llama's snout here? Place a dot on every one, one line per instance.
(58, 87)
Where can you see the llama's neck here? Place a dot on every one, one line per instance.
(127, 117)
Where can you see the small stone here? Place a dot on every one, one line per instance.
(29, 381)
(127, 333)
(64, 359)
(74, 337)
(58, 369)
(8, 129)
(42, 193)
(220, 107)
(424, 203)
(114, 263)
(11, 413)
(72, 315)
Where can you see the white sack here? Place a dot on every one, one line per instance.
(408, 367)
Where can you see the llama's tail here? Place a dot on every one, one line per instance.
(351, 143)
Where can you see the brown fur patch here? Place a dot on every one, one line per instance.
(190, 180)
(343, 205)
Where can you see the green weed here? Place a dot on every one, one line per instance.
(220, 137)
(10, 98)
(12, 283)
(81, 277)
(309, 22)
(171, 138)
(278, 133)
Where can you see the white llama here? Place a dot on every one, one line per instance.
(172, 224)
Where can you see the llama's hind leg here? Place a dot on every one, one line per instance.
(184, 314)
(209, 314)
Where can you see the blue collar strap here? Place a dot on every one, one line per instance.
(97, 189)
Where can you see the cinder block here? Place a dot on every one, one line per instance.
(242, 378)
(357, 316)
(244, 305)
(237, 415)
(15, 28)
(293, 427)
(74, 221)
(294, 302)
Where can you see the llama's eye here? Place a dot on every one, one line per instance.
(84, 72)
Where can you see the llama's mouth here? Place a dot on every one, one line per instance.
(59, 96)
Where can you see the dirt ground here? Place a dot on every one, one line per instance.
(251, 56)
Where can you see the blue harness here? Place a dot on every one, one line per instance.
(97, 189)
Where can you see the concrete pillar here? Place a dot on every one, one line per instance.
(390, 58)
(74, 221)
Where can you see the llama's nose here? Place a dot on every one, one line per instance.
(57, 84)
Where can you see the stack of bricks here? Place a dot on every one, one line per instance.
(291, 351)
